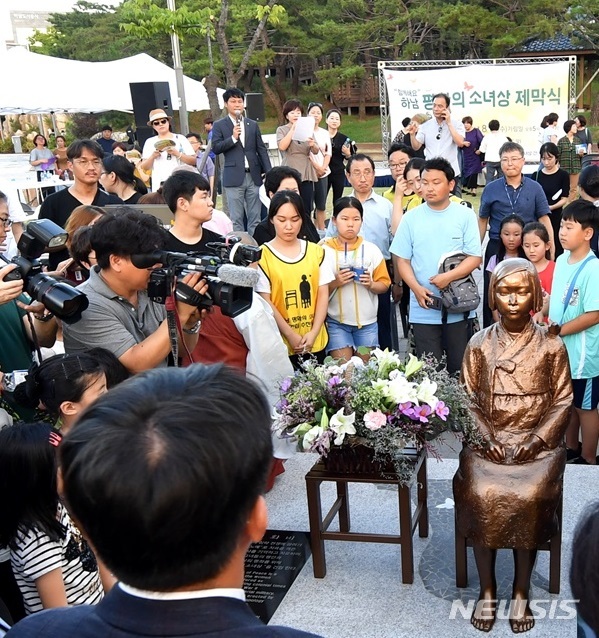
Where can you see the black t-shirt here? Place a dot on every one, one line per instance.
(58, 208)
(133, 199)
(265, 231)
(337, 163)
(555, 186)
(177, 246)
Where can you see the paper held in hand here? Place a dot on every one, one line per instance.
(304, 129)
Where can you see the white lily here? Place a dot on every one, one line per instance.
(413, 365)
(426, 393)
(400, 390)
(386, 357)
(342, 425)
(311, 435)
(382, 386)
(354, 361)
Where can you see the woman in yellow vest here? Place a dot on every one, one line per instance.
(294, 280)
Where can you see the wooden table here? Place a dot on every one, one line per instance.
(407, 521)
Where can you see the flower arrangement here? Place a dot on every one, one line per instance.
(386, 404)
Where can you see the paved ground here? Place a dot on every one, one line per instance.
(362, 595)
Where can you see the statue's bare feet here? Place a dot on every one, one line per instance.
(483, 616)
(521, 618)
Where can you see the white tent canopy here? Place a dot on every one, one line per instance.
(34, 83)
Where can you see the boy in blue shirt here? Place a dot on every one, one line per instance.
(574, 306)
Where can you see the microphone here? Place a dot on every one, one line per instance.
(228, 273)
(238, 275)
(238, 116)
(147, 260)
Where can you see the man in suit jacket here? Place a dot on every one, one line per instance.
(239, 140)
(168, 491)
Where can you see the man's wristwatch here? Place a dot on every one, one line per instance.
(43, 318)
(194, 329)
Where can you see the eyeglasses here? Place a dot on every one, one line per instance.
(394, 166)
(83, 162)
(162, 121)
(358, 174)
(439, 133)
(6, 222)
(511, 160)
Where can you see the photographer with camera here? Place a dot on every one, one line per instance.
(16, 337)
(120, 317)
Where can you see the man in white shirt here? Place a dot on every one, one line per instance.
(441, 136)
(176, 536)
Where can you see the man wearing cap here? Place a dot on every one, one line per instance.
(166, 150)
(106, 141)
(245, 161)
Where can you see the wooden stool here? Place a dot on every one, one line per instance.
(553, 546)
(407, 522)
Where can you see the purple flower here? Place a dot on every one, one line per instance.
(441, 410)
(282, 404)
(406, 408)
(420, 412)
(285, 384)
(333, 381)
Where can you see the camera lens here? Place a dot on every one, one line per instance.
(60, 298)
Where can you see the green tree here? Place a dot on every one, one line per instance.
(236, 29)
(92, 32)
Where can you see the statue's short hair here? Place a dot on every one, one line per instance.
(513, 265)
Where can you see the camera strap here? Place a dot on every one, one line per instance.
(174, 326)
(36, 343)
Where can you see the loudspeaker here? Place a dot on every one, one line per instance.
(147, 96)
(142, 133)
(254, 106)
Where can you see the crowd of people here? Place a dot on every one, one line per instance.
(317, 289)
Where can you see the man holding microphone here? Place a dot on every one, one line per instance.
(246, 160)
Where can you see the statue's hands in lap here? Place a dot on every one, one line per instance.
(529, 449)
(493, 450)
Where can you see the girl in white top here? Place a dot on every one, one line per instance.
(360, 276)
(320, 162)
(52, 563)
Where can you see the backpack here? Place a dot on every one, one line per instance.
(462, 294)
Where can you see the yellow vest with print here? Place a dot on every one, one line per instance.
(294, 290)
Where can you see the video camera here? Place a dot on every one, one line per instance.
(59, 297)
(229, 286)
(235, 251)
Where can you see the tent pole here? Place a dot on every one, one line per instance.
(178, 74)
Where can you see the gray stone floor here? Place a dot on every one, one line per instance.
(362, 594)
